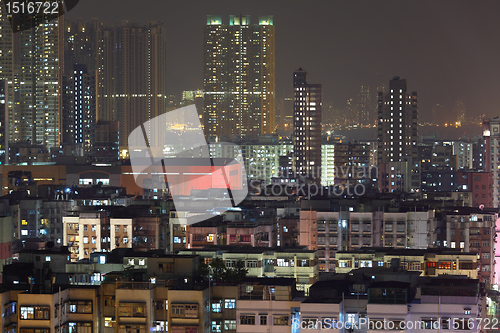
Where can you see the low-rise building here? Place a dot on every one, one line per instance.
(430, 262)
(265, 304)
(86, 233)
(332, 231)
(295, 262)
(480, 184)
(474, 230)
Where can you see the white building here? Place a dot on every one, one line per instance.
(265, 305)
(464, 152)
(85, 234)
(262, 161)
(120, 233)
(329, 232)
(327, 164)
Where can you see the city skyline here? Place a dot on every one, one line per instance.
(448, 42)
(173, 168)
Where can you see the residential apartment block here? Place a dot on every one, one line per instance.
(296, 262)
(474, 231)
(329, 232)
(430, 262)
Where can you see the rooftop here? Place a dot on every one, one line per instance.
(249, 249)
(406, 252)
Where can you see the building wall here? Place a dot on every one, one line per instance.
(464, 152)
(5, 242)
(327, 164)
(310, 312)
(480, 184)
(127, 297)
(329, 232)
(491, 137)
(199, 319)
(430, 264)
(475, 233)
(43, 175)
(267, 308)
(394, 177)
(121, 233)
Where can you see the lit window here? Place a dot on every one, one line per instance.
(230, 304)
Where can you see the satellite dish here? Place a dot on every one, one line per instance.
(481, 206)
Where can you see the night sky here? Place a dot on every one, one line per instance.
(447, 50)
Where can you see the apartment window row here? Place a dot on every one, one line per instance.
(331, 240)
(139, 262)
(35, 312)
(77, 327)
(79, 306)
(480, 244)
(412, 266)
(218, 305)
(291, 263)
(450, 265)
(230, 263)
(454, 244)
(331, 224)
(203, 238)
(86, 240)
(250, 319)
(86, 227)
(132, 310)
(184, 311)
(124, 228)
(166, 267)
(240, 238)
(73, 226)
(124, 240)
(229, 325)
(355, 241)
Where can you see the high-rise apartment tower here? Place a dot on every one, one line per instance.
(307, 126)
(239, 77)
(398, 136)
